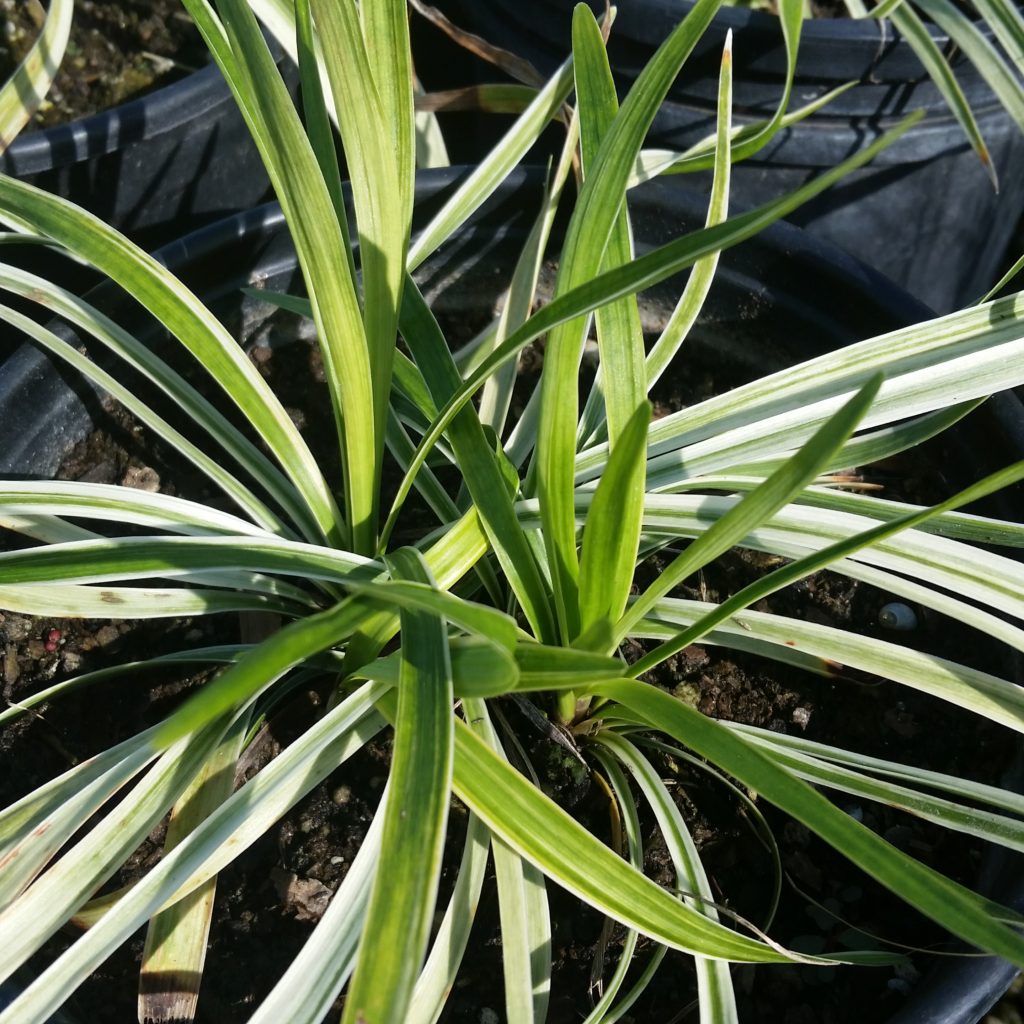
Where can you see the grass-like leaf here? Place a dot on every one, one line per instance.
(761, 503)
(640, 273)
(612, 533)
(22, 93)
(190, 321)
(953, 906)
(541, 831)
(714, 982)
(176, 940)
(916, 33)
(398, 916)
(587, 236)
(803, 567)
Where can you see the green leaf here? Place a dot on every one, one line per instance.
(438, 976)
(496, 396)
(492, 625)
(401, 905)
(950, 814)
(478, 463)
(546, 835)
(1007, 25)
(701, 157)
(186, 318)
(67, 884)
(26, 89)
(136, 602)
(951, 905)
(916, 33)
(315, 977)
(111, 503)
(324, 257)
(523, 912)
(1004, 82)
(583, 252)
(366, 52)
(620, 386)
(698, 284)
(232, 828)
(34, 828)
(778, 636)
(203, 412)
(494, 168)
(318, 119)
(611, 536)
(752, 510)
(256, 670)
(977, 792)
(643, 272)
(629, 814)
(714, 981)
(804, 567)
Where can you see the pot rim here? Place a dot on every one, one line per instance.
(164, 110)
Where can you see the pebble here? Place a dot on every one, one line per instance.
(342, 795)
(17, 627)
(801, 716)
(106, 635)
(141, 478)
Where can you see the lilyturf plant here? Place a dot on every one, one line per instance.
(528, 586)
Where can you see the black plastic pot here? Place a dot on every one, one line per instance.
(155, 168)
(781, 297)
(923, 213)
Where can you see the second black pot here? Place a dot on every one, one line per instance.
(156, 167)
(923, 213)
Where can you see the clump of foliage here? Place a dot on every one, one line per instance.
(526, 586)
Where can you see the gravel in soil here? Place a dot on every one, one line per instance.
(118, 50)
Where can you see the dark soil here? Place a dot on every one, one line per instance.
(118, 50)
(269, 899)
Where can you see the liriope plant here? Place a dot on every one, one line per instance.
(527, 587)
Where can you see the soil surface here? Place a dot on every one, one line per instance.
(269, 899)
(118, 50)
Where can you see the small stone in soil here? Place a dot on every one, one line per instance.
(141, 478)
(17, 627)
(305, 897)
(106, 635)
(801, 716)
